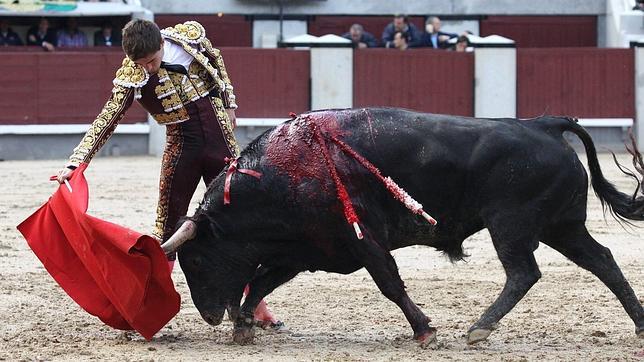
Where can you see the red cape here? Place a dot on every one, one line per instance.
(114, 273)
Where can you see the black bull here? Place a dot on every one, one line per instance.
(518, 178)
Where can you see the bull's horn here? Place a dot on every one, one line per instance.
(186, 231)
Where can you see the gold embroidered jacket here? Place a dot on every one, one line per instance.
(165, 94)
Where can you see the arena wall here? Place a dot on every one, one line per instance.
(67, 88)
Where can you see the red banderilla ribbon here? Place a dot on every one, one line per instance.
(343, 195)
(229, 175)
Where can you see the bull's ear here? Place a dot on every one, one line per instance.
(207, 225)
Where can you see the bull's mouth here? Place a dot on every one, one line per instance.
(213, 318)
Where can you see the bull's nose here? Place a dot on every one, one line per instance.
(211, 318)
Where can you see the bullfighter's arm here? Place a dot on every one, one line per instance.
(228, 95)
(130, 77)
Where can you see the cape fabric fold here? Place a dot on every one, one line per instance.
(116, 274)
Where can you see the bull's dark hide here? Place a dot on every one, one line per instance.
(517, 178)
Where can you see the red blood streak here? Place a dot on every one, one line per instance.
(299, 150)
(349, 212)
(292, 150)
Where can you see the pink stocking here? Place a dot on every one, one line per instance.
(261, 312)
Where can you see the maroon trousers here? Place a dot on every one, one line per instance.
(195, 150)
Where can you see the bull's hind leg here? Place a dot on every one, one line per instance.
(384, 271)
(575, 243)
(515, 244)
(261, 286)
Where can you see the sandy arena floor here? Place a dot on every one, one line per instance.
(568, 315)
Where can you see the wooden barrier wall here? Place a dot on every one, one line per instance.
(72, 87)
(58, 88)
(426, 80)
(580, 82)
(269, 82)
(223, 31)
(543, 31)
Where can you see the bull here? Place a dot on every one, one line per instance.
(286, 214)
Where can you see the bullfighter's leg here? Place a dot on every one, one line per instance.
(179, 178)
(575, 243)
(515, 247)
(384, 271)
(259, 287)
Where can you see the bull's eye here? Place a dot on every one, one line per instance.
(196, 261)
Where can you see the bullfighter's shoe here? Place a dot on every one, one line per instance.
(277, 327)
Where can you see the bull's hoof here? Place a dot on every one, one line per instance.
(243, 335)
(640, 332)
(477, 335)
(427, 340)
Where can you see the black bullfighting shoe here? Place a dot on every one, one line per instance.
(277, 327)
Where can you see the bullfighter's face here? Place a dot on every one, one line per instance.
(152, 61)
(216, 277)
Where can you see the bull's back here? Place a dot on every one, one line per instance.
(451, 160)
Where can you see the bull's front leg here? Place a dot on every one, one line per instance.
(259, 287)
(384, 271)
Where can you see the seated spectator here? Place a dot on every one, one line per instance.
(639, 5)
(433, 37)
(42, 35)
(106, 36)
(360, 38)
(401, 40)
(71, 36)
(8, 36)
(462, 44)
(400, 23)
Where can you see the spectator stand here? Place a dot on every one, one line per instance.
(90, 15)
(46, 96)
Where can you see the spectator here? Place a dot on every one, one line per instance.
(433, 37)
(639, 5)
(462, 44)
(71, 37)
(360, 38)
(8, 36)
(400, 23)
(42, 35)
(401, 40)
(106, 36)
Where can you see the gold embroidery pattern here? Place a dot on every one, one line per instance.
(219, 62)
(131, 75)
(168, 118)
(205, 62)
(103, 126)
(224, 123)
(201, 79)
(197, 84)
(190, 32)
(171, 154)
(164, 89)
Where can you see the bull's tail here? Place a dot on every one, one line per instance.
(622, 205)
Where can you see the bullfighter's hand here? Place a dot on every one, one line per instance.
(64, 174)
(232, 117)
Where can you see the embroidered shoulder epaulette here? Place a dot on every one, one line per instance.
(131, 75)
(190, 32)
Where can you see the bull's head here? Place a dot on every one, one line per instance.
(216, 270)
